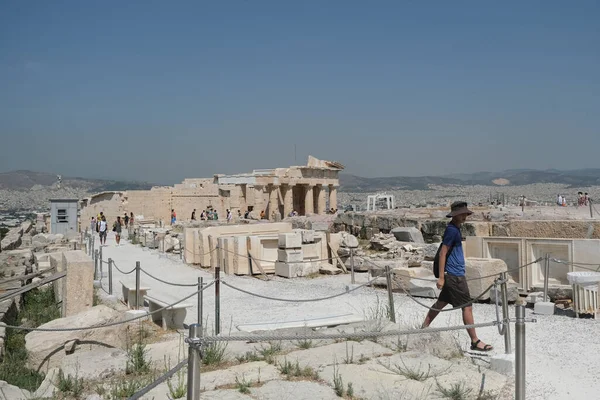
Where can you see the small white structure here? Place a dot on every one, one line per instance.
(63, 216)
(380, 202)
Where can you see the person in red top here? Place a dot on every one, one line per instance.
(173, 217)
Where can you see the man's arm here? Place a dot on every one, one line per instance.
(442, 265)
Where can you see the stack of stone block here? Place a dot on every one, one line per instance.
(290, 257)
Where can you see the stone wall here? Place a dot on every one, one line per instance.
(365, 225)
(110, 203)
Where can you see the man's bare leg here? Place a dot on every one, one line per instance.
(438, 305)
(468, 319)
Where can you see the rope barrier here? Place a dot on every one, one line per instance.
(124, 273)
(453, 308)
(350, 336)
(169, 283)
(298, 300)
(85, 328)
(161, 379)
(578, 265)
(470, 279)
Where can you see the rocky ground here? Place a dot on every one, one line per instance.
(421, 366)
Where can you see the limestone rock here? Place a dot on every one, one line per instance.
(48, 386)
(10, 392)
(377, 268)
(384, 242)
(348, 240)
(12, 240)
(171, 243)
(408, 234)
(360, 264)
(430, 250)
(512, 292)
(45, 349)
(278, 390)
(479, 267)
(101, 363)
(328, 269)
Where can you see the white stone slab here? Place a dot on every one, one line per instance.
(295, 270)
(308, 323)
(290, 240)
(503, 364)
(544, 308)
(290, 255)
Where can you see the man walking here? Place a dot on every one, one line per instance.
(452, 281)
(117, 228)
(102, 230)
(194, 215)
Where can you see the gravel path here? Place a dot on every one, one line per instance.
(562, 352)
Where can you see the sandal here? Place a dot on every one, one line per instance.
(487, 347)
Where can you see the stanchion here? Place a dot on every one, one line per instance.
(546, 272)
(110, 264)
(137, 285)
(200, 298)
(352, 266)
(392, 310)
(100, 256)
(520, 353)
(217, 300)
(96, 265)
(505, 317)
(194, 362)
(591, 212)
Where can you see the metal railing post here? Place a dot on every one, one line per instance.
(505, 317)
(392, 310)
(546, 271)
(520, 353)
(110, 265)
(194, 362)
(217, 300)
(591, 212)
(95, 264)
(93, 245)
(100, 262)
(200, 298)
(352, 266)
(137, 285)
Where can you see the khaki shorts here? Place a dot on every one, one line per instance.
(455, 291)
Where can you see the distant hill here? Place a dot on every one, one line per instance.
(25, 180)
(513, 177)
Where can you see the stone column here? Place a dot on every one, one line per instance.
(273, 201)
(309, 204)
(333, 197)
(321, 204)
(259, 203)
(288, 200)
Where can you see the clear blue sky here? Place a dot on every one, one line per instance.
(161, 91)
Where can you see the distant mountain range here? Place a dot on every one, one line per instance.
(513, 177)
(26, 180)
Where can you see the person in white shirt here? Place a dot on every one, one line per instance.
(102, 231)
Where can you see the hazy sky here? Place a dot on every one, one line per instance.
(164, 90)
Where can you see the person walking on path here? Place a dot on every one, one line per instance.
(229, 216)
(452, 281)
(117, 228)
(102, 230)
(126, 219)
(93, 226)
(173, 217)
(194, 215)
